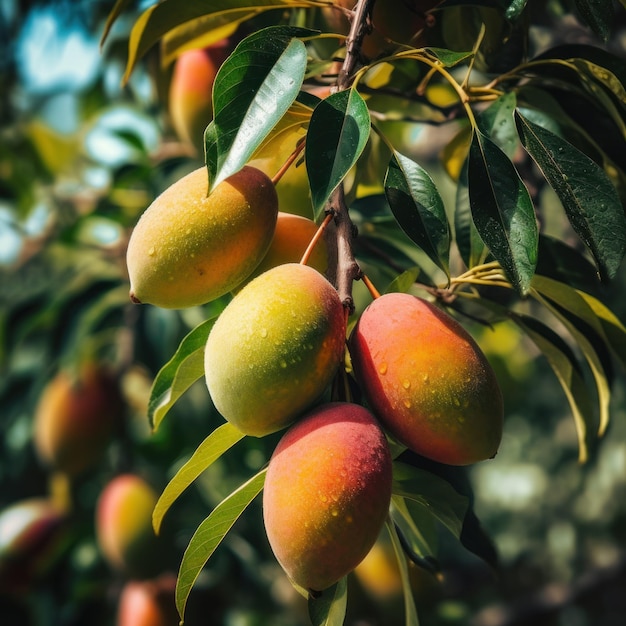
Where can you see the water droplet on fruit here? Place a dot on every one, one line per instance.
(407, 404)
(283, 363)
(456, 401)
(406, 384)
(383, 368)
(263, 332)
(334, 512)
(151, 251)
(425, 377)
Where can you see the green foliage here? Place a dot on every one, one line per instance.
(514, 216)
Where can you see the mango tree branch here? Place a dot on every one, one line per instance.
(346, 268)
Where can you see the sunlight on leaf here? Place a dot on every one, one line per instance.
(211, 449)
(210, 533)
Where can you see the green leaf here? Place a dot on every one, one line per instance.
(471, 247)
(338, 132)
(417, 524)
(585, 191)
(329, 609)
(449, 58)
(598, 15)
(431, 492)
(417, 206)
(614, 330)
(403, 282)
(210, 533)
(116, 11)
(566, 368)
(498, 124)
(211, 449)
(502, 211)
(410, 611)
(179, 373)
(570, 305)
(166, 15)
(253, 89)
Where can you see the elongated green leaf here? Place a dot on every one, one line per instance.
(253, 89)
(210, 533)
(162, 17)
(566, 368)
(329, 609)
(211, 449)
(502, 211)
(588, 197)
(417, 206)
(598, 15)
(418, 525)
(448, 58)
(498, 124)
(201, 32)
(410, 611)
(471, 247)
(431, 492)
(614, 330)
(115, 12)
(338, 133)
(179, 373)
(589, 352)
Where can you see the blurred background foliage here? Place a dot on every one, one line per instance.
(81, 156)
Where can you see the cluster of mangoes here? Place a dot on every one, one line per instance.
(79, 413)
(274, 350)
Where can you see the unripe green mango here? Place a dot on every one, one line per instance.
(275, 348)
(75, 418)
(31, 531)
(123, 523)
(189, 248)
(427, 380)
(327, 494)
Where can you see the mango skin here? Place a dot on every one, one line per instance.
(75, 419)
(275, 348)
(327, 494)
(31, 532)
(188, 249)
(291, 239)
(123, 522)
(190, 95)
(148, 602)
(427, 380)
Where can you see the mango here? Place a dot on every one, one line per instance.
(31, 533)
(189, 248)
(148, 602)
(275, 348)
(291, 239)
(327, 493)
(427, 380)
(190, 97)
(123, 523)
(75, 418)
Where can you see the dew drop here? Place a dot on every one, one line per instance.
(263, 332)
(283, 363)
(188, 231)
(407, 404)
(151, 251)
(425, 377)
(456, 401)
(334, 512)
(406, 384)
(383, 368)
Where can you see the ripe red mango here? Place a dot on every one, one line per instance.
(327, 493)
(148, 602)
(427, 380)
(191, 91)
(75, 418)
(30, 535)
